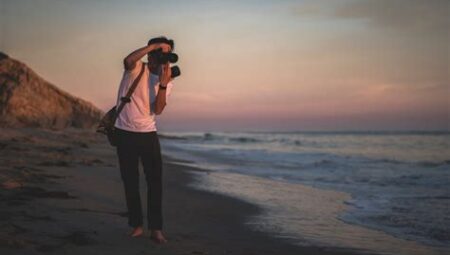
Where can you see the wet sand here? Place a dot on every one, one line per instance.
(61, 193)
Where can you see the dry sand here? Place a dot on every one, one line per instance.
(61, 193)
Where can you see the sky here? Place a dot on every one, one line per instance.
(251, 65)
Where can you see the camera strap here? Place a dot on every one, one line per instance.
(126, 99)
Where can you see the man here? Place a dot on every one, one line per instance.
(137, 137)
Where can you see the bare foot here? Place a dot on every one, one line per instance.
(157, 236)
(137, 231)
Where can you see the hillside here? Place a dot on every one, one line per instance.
(27, 100)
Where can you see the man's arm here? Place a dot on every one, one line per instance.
(130, 61)
(160, 101)
(164, 79)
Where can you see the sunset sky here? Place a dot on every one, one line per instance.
(251, 65)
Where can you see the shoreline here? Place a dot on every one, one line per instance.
(244, 237)
(305, 216)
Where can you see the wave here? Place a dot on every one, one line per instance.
(173, 137)
(423, 164)
(325, 162)
(295, 146)
(244, 140)
(186, 137)
(207, 136)
(286, 141)
(433, 164)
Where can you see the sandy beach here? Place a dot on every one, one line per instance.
(61, 193)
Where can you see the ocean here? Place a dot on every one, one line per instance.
(383, 192)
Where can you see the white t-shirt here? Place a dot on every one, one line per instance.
(136, 115)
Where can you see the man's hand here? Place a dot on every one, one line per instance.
(130, 61)
(166, 75)
(164, 78)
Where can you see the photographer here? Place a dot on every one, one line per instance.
(136, 131)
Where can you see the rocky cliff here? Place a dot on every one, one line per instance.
(27, 100)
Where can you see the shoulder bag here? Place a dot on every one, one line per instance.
(106, 125)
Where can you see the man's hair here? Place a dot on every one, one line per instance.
(161, 39)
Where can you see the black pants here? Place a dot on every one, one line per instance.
(131, 147)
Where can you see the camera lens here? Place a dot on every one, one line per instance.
(172, 57)
(175, 71)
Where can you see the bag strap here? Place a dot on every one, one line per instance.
(126, 99)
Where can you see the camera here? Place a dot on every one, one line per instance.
(163, 57)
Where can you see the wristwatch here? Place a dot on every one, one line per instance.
(162, 87)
